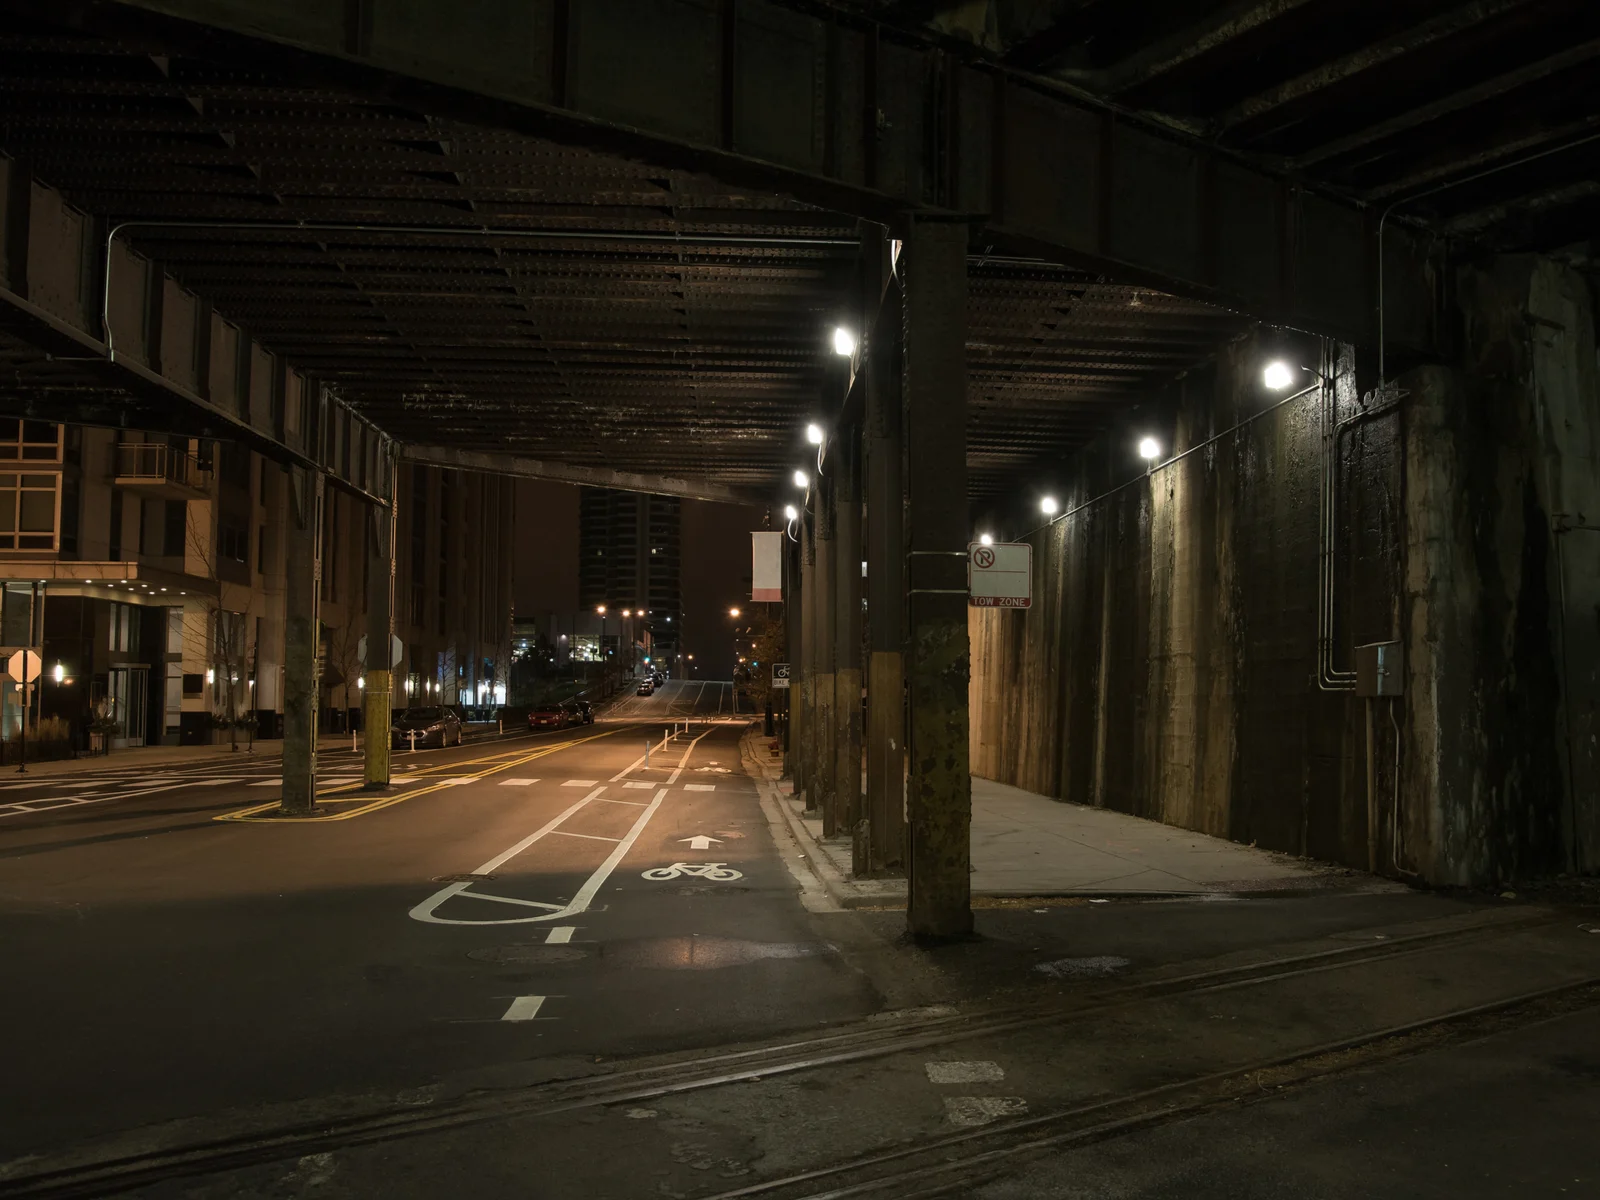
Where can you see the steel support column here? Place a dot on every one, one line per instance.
(302, 640)
(819, 794)
(847, 638)
(886, 705)
(377, 693)
(791, 652)
(938, 658)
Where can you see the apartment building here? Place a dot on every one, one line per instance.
(147, 575)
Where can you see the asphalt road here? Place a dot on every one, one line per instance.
(680, 699)
(172, 951)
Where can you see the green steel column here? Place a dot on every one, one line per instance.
(302, 641)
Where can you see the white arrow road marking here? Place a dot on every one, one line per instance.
(700, 841)
(523, 1008)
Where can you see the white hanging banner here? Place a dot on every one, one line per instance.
(766, 566)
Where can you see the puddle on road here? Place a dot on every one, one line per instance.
(530, 954)
(703, 953)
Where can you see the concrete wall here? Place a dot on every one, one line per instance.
(1169, 666)
(1504, 610)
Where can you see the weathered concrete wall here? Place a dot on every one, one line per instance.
(1504, 610)
(1169, 667)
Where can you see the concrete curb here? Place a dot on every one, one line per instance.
(843, 891)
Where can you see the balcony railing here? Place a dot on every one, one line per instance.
(161, 470)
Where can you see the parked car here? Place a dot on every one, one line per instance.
(646, 687)
(432, 726)
(582, 712)
(550, 716)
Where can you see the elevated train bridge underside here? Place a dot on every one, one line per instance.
(608, 241)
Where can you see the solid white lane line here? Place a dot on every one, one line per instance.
(630, 803)
(523, 1008)
(499, 860)
(593, 837)
(561, 933)
(687, 750)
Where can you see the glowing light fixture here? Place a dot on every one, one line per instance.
(1149, 449)
(1048, 506)
(601, 610)
(1277, 375)
(791, 513)
(985, 539)
(814, 434)
(733, 612)
(801, 479)
(844, 342)
(59, 673)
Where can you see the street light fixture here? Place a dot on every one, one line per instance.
(791, 513)
(1149, 449)
(1048, 506)
(844, 342)
(1277, 375)
(814, 434)
(801, 479)
(733, 612)
(985, 539)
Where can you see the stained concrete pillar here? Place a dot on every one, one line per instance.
(378, 691)
(806, 668)
(819, 792)
(884, 833)
(302, 640)
(846, 455)
(791, 651)
(937, 653)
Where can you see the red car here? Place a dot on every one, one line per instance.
(549, 716)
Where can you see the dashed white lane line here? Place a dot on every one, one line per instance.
(633, 783)
(561, 934)
(964, 1072)
(699, 787)
(981, 1110)
(524, 1008)
(580, 783)
(517, 782)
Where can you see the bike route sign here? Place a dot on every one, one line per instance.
(780, 675)
(1000, 575)
(718, 872)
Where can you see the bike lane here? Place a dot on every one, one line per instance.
(691, 932)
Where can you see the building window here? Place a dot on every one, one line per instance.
(124, 629)
(175, 532)
(30, 441)
(28, 511)
(114, 544)
(71, 503)
(261, 550)
(233, 543)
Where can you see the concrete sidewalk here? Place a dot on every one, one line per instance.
(1024, 844)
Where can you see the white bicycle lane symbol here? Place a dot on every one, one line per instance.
(720, 872)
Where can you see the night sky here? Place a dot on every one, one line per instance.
(715, 570)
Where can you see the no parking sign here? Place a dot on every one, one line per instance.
(1000, 575)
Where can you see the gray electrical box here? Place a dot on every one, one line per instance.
(1379, 669)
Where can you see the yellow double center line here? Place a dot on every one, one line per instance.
(257, 812)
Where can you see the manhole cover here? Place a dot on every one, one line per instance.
(531, 954)
(461, 877)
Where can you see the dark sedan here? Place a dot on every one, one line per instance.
(582, 712)
(425, 727)
(549, 716)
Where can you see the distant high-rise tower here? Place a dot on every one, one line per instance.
(628, 557)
